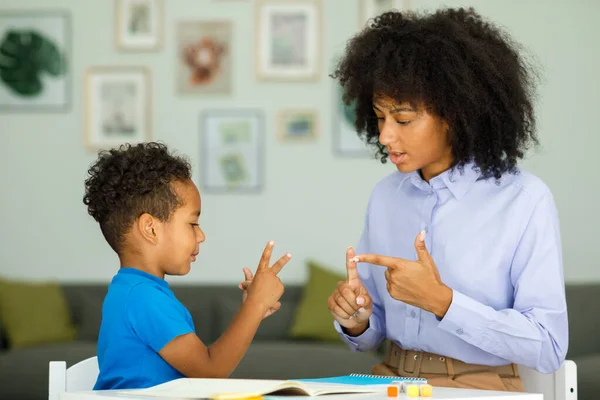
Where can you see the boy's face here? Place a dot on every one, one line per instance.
(181, 235)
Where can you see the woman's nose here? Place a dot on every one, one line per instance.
(386, 134)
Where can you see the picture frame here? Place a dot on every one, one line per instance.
(287, 39)
(297, 125)
(118, 103)
(139, 25)
(47, 34)
(232, 151)
(346, 142)
(204, 63)
(372, 8)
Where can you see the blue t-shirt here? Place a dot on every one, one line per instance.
(140, 316)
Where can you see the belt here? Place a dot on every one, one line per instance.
(411, 363)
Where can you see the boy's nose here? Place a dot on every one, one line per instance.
(201, 237)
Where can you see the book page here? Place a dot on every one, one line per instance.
(318, 388)
(202, 388)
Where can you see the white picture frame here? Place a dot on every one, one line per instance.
(288, 38)
(372, 8)
(49, 88)
(138, 25)
(231, 151)
(117, 107)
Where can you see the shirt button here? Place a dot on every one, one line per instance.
(413, 314)
(459, 331)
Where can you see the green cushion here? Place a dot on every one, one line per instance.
(313, 319)
(34, 313)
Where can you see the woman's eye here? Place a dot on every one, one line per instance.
(403, 122)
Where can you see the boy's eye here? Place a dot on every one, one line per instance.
(194, 224)
(403, 122)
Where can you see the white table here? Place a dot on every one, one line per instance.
(438, 393)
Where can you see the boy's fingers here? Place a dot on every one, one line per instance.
(248, 274)
(244, 285)
(280, 263)
(266, 256)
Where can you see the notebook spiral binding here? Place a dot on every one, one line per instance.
(398, 378)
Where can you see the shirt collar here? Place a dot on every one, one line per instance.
(457, 181)
(143, 274)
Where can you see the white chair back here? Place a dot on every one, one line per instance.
(79, 377)
(560, 385)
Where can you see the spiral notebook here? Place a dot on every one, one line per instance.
(363, 379)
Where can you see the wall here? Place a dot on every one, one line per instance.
(313, 203)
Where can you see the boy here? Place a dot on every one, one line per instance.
(148, 209)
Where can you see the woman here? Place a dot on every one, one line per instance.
(459, 264)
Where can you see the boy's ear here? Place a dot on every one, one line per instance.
(147, 226)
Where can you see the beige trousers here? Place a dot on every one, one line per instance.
(447, 372)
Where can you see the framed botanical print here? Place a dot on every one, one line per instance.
(204, 57)
(295, 125)
(139, 24)
(231, 153)
(117, 107)
(288, 37)
(43, 85)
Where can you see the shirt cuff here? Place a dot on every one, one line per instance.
(366, 341)
(466, 318)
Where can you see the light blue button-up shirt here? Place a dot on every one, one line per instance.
(496, 244)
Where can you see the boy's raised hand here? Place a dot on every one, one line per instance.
(244, 287)
(265, 287)
(350, 303)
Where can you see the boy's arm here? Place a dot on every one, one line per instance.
(188, 355)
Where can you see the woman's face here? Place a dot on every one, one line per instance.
(414, 138)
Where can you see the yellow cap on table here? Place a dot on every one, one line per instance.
(412, 390)
(426, 390)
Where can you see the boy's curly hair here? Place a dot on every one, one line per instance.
(127, 182)
(464, 69)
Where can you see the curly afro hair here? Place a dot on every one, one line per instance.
(127, 182)
(460, 67)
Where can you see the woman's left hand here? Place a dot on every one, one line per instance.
(416, 283)
(244, 288)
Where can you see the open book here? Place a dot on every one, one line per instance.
(223, 389)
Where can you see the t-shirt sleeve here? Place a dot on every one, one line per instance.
(155, 316)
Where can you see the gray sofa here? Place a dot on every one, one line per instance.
(273, 354)
(24, 372)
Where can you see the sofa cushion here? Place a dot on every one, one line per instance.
(274, 327)
(313, 319)
(199, 301)
(298, 360)
(584, 331)
(86, 306)
(34, 313)
(24, 371)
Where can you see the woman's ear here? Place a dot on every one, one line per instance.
(147, 227)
